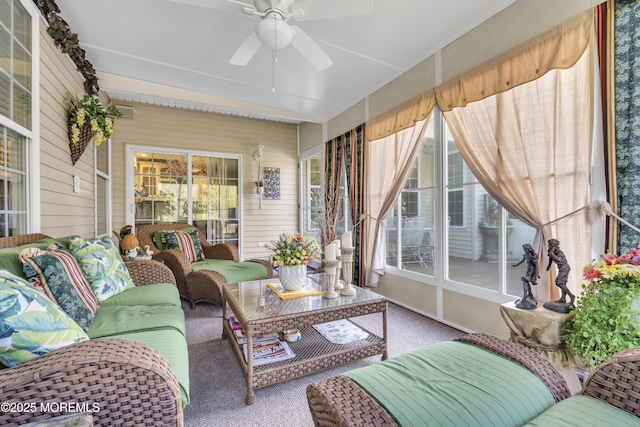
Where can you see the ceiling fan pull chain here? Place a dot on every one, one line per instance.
(275, 55)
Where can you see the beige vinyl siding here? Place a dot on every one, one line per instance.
(165, 127)
(62, 212)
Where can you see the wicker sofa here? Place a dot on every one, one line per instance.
(461, 383)
(202, 281)
(132, 371)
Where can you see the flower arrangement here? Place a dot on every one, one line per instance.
(88, 110)
(293, 249)
(605, 319)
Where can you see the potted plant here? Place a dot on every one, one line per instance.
(606, 316)
(291, 253)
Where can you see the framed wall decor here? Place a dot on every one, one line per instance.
(271, 183)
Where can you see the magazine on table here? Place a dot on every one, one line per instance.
(257, 339)
(269, 352)
(234, 323)
(305, 291)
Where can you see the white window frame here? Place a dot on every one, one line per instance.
(316, 151)
(109, 195)
(32, 150)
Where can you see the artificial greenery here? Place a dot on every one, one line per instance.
(67, 41)
(605, 320)
(89, 111)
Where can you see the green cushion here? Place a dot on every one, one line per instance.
(115, 320)
(63, 281)
(173, 346)
(102, 265)
(584, 411)
(9, 256)
(187, 241)
(30, 323)
(233, 272)
(454, 384)
(155, 294)
(158, 238)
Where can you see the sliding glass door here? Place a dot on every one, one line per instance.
(200, 189)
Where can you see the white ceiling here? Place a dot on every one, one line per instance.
(168, 53)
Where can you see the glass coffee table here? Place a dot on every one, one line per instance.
(260, 311)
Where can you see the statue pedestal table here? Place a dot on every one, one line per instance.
(540, 330)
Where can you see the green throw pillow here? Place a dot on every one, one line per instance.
(188, 242)
(158, 238)
(102, 265)
(30, 323)
(64, 283)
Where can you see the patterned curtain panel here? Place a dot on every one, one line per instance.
(604, 16)
(354, 164)
(349, 147)
(331, 197)
(627, 116)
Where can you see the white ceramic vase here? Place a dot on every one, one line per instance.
(292, 277)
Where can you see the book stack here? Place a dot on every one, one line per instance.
(269, 351)
(258, 339)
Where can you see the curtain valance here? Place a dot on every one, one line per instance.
(404, 116)
(559, 48)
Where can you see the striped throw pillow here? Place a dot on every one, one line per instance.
(188, 242)
(64, 283)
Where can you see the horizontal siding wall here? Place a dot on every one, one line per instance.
(62, 212)
(165, 127)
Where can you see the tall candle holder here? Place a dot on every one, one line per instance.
(337, 284)
(330, 277)
(347, 271)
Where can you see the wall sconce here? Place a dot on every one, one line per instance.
(257, 156)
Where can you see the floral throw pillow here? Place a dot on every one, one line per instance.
(64, 283)
(30, 323)
(102, 265)
(186, 241)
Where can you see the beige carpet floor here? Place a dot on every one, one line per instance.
(218, 389)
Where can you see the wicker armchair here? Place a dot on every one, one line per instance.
(194, 286)
(109, 377)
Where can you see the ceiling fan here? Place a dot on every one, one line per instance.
(274, 31)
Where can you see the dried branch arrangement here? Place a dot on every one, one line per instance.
(328, 208)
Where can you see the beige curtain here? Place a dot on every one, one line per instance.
(392, 143)
(528, 140)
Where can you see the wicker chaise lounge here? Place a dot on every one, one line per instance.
(204, 285)
(610, 395)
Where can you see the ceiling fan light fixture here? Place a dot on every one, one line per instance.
(274, 32)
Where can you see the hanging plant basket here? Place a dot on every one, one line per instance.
(88, 119)
(77, 148)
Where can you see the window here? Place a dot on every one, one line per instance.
(311, 178)
(16, 120)
(479, 237)
(410, 226)
(455, 179)
(199, 189)
(103, 189)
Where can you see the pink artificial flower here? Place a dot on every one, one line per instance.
(590, 273)
(610, 259)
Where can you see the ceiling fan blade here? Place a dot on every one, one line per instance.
(226, 5)
(310, 49)
(325, 9)
(247, 49)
